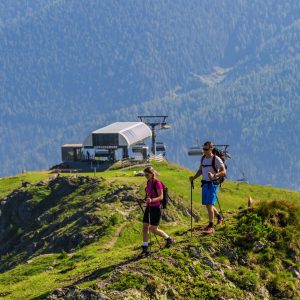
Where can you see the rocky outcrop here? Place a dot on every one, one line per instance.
(59, 214)
(76, 294)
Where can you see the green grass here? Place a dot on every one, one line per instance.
(232, 195)
(93, 263)
(8, 184)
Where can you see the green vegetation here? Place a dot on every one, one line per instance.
(87, 232)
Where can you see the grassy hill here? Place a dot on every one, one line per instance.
(77, 236)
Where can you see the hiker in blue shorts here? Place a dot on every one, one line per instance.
(211, 168)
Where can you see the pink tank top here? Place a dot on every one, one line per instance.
(151, 191)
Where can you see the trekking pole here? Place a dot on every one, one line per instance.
(149, 220)
(140, 205)
(219, 205)
(192, 187)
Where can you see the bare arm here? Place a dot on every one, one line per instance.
(156, 199)
(199, 173)
(221, 173)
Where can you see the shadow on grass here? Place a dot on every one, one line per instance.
(96, 274)
(102, 271)
(41, 297)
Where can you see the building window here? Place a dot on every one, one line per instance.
(105, 139)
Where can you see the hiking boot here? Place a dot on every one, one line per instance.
(169, 242)
(145, 252)
(205, 228)
(220, 220)
(208, 230)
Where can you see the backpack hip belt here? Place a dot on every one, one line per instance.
(205, 182)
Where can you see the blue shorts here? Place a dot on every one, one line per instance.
(209, 194)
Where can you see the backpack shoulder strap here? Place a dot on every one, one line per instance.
(155, 186)
(202, 159)
(146, 189)
(214, 163)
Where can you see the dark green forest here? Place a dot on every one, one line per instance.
(221, 70)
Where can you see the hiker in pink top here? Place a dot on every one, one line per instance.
(151, 192)
(152, 214)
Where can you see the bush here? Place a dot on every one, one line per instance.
(113, 220)
(280, 213)
(251, 228)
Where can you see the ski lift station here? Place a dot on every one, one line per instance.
(104, 146)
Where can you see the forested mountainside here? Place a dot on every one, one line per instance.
(222, 70)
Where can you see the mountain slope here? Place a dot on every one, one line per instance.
(257, 114)
(255, 255)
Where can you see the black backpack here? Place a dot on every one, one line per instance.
(166, 197)
(220, 154)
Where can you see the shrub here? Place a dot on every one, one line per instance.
(113, 220)
(279, 213)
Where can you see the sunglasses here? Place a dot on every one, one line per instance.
(205, 149)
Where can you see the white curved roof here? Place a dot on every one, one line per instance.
(129, 133)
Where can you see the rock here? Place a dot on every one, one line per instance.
(258, 246)
(111, 198)
(249, 296)
(221, 272)
(295, 272)
(263, 293)
(231, 284)
(128, 197)
(25, 183)
(226, 266)
(91, 219)
(292, 254)
(172, 294)
(91, 294)
(208, 261)
(196, 251)
(130, 294)
(192, 270)
(75, 293)
(233, 257)
(42, 183)
(138, 173)
(211, 250)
